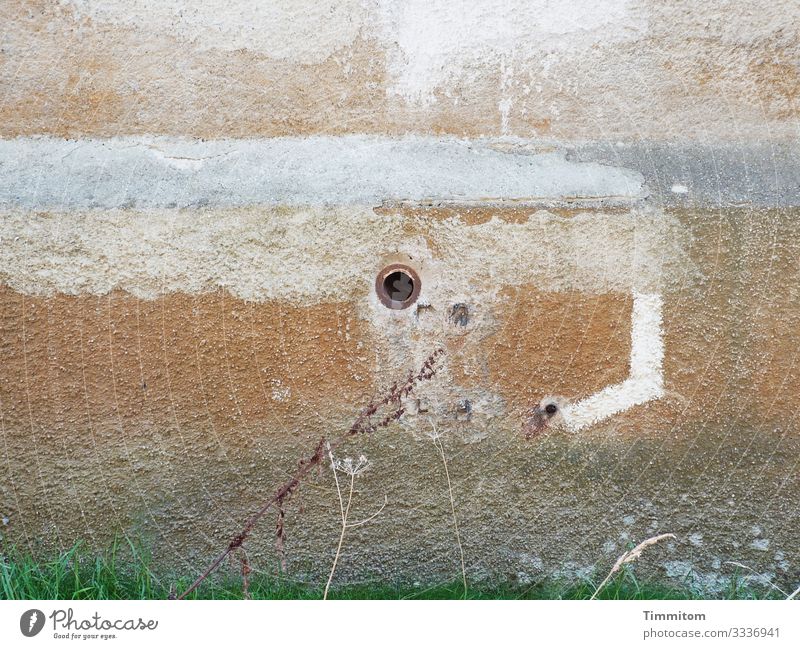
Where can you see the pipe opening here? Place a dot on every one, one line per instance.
(397, 286)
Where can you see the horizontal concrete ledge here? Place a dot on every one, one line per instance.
(42, 173)
(54, 174)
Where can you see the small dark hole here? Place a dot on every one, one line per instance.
(551, 408)
(398, 286)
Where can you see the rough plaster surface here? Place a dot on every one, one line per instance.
(601, 202)
(170, 416)
(641, 69)
(304, 31)
(317, 255)
(439, 43)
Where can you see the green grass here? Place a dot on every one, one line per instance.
(124, 572)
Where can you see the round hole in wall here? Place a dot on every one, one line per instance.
(397, 286)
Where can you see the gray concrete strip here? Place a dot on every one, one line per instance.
(42, 173)
(54, 174)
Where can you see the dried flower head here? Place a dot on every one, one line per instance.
(350, 466)
(433, 433)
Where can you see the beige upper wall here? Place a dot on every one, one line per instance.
(628, 69)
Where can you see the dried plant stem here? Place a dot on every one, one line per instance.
(246, 570)
(236, 542)
(629, 557)
(369, 518)
(280, 536)
(794, 594)
(758, 574)
(362, 424)
(345, 511)
(438, 442)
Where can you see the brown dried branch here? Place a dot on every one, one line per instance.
(280, 536)
(246, 570)
(362, 424)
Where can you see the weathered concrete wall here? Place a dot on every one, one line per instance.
(194, 206)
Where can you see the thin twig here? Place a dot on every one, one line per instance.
(246, 570)
(345, 510)
(629, 557)
(794, 594)
(375, 515)
(280, 536)
(352, 469)
(758, 574)
(236, 542)
(440, 445)
(362, 424)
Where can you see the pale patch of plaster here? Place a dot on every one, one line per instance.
(441, 41)
(280, 392)
(646, 380)
(311, 255)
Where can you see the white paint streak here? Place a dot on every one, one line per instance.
(507, 77)
(646, 380)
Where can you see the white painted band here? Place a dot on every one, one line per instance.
(646, 379)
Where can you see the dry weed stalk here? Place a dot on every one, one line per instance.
(351, 468)
(246, 570)
(794, 594)
(280, 535)
(629, 557)
(758, 574)
(437, 441)
(362, 424)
